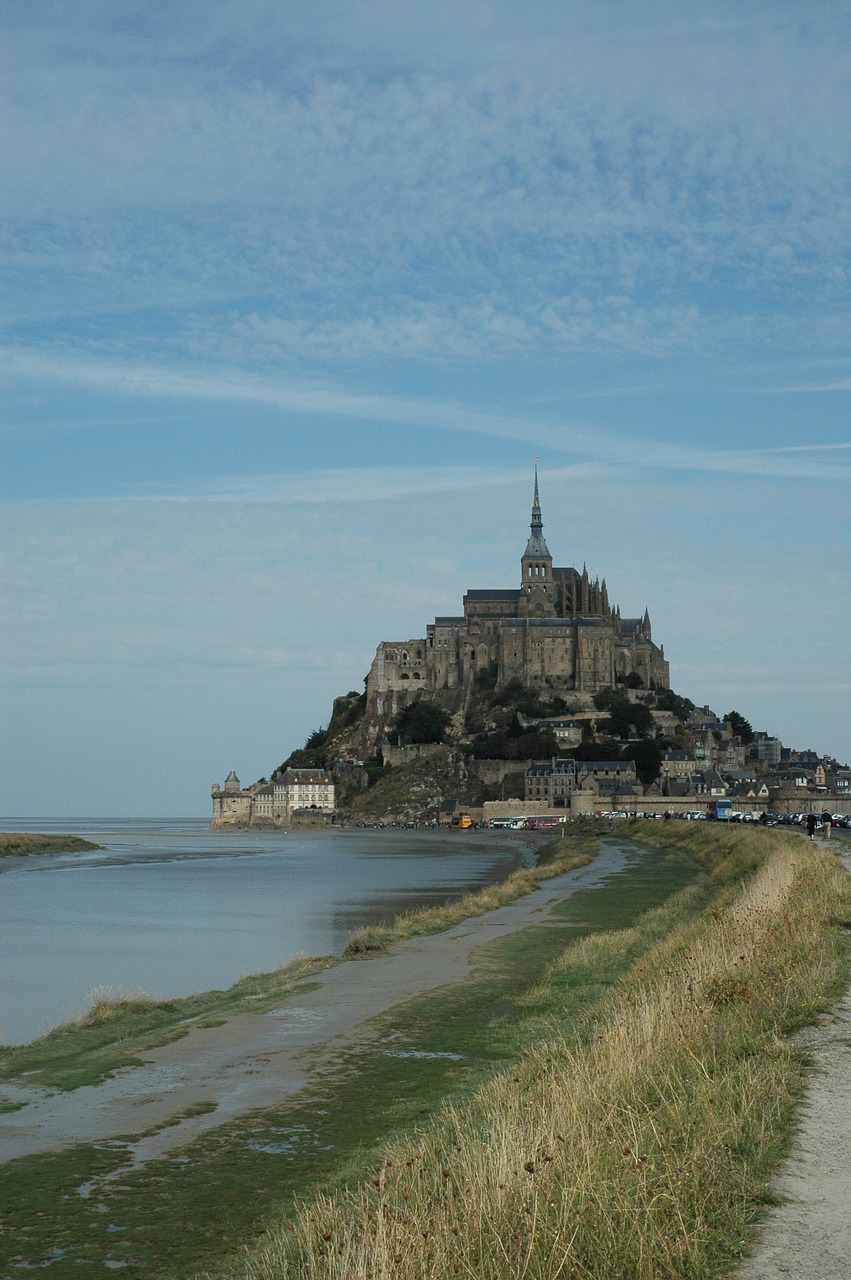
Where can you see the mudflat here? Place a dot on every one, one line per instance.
(257, 1060)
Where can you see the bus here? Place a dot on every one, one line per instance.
(721, 810)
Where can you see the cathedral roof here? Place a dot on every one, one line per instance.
(495, 593)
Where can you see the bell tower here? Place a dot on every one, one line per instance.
(537, 588)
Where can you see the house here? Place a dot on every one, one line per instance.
(548, 783)
(300, 789)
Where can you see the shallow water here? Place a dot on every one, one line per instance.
(172, 907)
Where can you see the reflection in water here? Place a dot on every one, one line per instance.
(172, 907)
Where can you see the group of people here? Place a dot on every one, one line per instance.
(812, 823)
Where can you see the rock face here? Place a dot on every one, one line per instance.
(556, 631)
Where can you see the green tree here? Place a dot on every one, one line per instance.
(667, 700)
(625, 716)
(421, 721)
(596, 750)
(647, 755)
(740, 726)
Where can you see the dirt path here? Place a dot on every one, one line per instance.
(808, 1236)
(258, 1060)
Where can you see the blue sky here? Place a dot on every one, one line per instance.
(294, 296)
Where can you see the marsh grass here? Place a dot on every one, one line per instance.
(17, 844)
(558, 856)
(641, 1146)
(116, 1026)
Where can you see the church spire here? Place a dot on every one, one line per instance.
(536, 546)
(538, 589)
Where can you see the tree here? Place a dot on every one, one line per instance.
(594, 750)
(625, 716)
(740, 726)
(421, 721)
(667, 700)
(648, 759)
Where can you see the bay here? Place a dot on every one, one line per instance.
(170, 907)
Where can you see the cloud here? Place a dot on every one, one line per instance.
(592, 444)
(560, 183)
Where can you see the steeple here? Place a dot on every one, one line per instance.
(536, 567)
(536, 546)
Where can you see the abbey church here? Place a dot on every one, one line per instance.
(557, 631)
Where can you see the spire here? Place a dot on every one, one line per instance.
(536, 546)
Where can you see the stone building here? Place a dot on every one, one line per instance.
(293, 795)
(557, 631)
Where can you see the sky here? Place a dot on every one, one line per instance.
(295, 295)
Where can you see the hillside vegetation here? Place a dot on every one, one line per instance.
(497, 724)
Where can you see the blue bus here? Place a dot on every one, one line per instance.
(720, 810)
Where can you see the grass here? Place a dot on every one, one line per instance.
(117, 1026)
(16, 844)
(560, 856)
(193, 1209)
(638, 1144)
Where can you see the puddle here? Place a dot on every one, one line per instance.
(286, 1142)
(298, 1014)
(424, 1053)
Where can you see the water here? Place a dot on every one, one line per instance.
(171, 907)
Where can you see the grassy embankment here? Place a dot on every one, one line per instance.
(15, 844)
(640, 1146)
(603, 1099)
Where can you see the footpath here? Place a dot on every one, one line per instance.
(807, 1236)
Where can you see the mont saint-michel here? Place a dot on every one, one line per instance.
(539, 692)
(556, 631)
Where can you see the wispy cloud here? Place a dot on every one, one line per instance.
(577, 437)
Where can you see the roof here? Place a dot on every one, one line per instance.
(493, 593)
(602, 766)
(304, 777)
(546, 768)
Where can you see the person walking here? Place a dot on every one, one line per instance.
(811, 825)
(826, 824)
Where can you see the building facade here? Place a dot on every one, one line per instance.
(295, 795)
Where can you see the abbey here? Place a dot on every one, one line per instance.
(556, 631)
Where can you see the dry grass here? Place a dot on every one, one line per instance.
(643, 1148)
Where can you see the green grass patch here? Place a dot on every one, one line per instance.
(116, 1028)
(16, 844)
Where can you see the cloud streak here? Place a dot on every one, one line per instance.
(609, 448)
